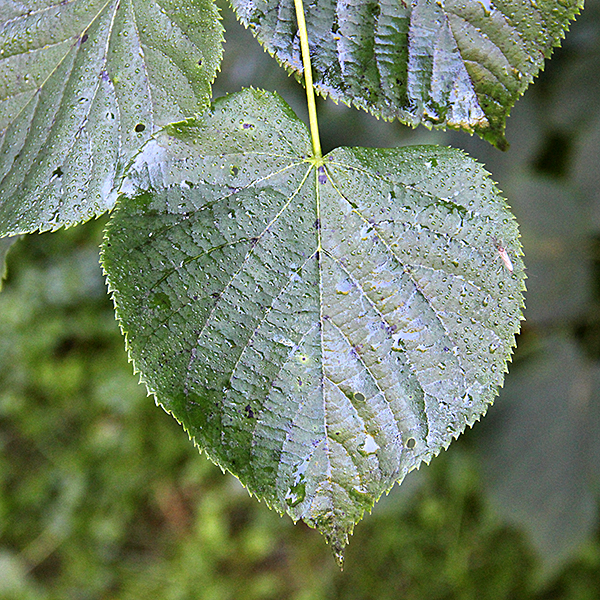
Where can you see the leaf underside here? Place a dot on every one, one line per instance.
(83, 85)
(457, 63)
(319, 330)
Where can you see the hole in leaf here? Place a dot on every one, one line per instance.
(57, 173)
(140, 127)
(296, 494)
(411, 443)
(359, 397)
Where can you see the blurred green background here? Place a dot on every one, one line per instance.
(102, 496)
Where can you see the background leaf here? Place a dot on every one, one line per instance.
(460, 63)
(542, 464)
(84, 84)
(5, 245)
(556, 230)
(318, 330)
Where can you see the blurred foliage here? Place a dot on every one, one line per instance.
(5, 245)
(102, 496)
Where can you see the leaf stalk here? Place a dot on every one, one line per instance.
(308, 80)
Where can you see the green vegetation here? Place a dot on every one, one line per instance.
(101, 496)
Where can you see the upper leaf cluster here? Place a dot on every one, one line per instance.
(452, 63)
(86, 83)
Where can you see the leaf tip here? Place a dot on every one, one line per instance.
(338, 554)
(337, 544)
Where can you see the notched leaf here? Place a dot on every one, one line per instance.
(320, 328)
(453, 63)
(83, 85)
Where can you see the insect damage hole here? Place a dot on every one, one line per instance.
(56, 174)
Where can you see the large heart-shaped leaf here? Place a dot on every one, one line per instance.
(457, 63)
(319, 328)
(84, 84)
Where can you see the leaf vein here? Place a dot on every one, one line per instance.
(387, 324)
(421, 292)
(166, 228)
(243, 263)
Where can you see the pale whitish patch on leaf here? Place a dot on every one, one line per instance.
(318, 329)
(83, 85)
(457, 63)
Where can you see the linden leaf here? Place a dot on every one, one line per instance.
(454, 63)
(320, 328)
(84, 85)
